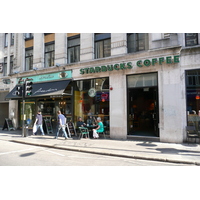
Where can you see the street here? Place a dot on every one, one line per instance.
(15, 154)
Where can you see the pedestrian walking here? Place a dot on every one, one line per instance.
(61, 125)
(38, 123)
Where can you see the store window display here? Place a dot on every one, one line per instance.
(193, 97)
(91, 100)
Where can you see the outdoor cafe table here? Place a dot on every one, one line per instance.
(90, 129)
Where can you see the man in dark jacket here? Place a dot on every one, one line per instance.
(80, 122)
(38, 122)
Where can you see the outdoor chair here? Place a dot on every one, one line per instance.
(191, 133)
(103, 133)
(83, 131)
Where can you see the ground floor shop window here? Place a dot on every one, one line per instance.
(48, 107)
(29, 112)
(91, 99)
(193, 97)
(143, 105)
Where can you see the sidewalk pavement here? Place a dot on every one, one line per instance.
(157, 151)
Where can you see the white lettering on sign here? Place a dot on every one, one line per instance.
(45, 91)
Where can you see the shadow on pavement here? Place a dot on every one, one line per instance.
(189, 144)
(148, 144)
(177, 151)
(26, 154)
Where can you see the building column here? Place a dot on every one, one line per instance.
(38, 50)
(118, 43)
(118, 106)
(13, 109)
(172, 104)
(87, 46)
(60, 48)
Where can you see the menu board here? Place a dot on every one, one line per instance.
(70, 128)
(48, 126)
(8, 124)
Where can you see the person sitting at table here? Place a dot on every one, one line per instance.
(80, 123)
(99, 129)
(90, 120)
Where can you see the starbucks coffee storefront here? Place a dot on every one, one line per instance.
(144, 90)
(138, 96)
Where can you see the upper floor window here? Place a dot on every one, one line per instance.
(28, 36)
(6, 40)
(137, 42)
(5, 66)
(102, 45)
(191, 39)
(12, 37)
(193, 78)
(49, 54)
(28, 59)
(11, 64)
(73, 45)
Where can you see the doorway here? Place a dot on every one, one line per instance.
(142, 105)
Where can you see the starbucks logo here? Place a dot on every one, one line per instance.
(63, 75)
(92, 92)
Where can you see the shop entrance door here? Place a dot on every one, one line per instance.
(143, 111)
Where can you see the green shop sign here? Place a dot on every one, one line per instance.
(129, 65)
(50, 77)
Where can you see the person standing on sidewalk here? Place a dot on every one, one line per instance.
(38, 122)
(61, 125)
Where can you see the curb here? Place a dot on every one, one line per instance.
(112, 154)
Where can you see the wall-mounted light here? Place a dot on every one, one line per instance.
(35, 68)
(6, 81)
(57, 65)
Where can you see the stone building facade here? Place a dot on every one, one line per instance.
(144, 86)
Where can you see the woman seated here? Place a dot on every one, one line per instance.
(99, 129)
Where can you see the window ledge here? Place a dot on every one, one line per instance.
(30, 38)
(161, 39)
(189, 47)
